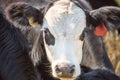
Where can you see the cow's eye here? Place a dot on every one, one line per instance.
(49, 38)
(82, 36)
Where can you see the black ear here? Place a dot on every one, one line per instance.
(1, 10)
(24, 14)
(108, 18)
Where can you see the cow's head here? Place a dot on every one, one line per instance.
(62, 26)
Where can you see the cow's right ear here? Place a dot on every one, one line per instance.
(24, 14)
(106, 18)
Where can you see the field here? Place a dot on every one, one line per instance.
(118, 1)
(112, 41)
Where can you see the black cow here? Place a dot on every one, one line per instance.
(98, 75)
(100, 3)
(33, 36)
(58, 26)
(15, 63)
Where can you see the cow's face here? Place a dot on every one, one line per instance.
(63, 25)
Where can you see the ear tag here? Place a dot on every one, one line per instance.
(100, 30)
(32, 22)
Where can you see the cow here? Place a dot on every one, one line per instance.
(15, 63)
(98, 74)
(100, 3)
(59, 26)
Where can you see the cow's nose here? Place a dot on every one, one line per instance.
(65, 70)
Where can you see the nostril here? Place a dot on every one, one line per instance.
(57, 69)
(72, 69)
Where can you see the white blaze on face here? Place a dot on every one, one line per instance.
(65, 22)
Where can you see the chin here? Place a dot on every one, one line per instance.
(66, 78)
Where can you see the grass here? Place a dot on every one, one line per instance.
(118, 1)
(112, 41)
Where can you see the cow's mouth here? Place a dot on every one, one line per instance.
(66, 77)
(63, 78)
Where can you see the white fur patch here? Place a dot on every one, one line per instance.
(66, 22)
(87, 4)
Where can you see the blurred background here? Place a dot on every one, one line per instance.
(118, 1)
(112, 39)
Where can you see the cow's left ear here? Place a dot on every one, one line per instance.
(108, 18)
(24, 14)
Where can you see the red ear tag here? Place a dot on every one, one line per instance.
(100, 30)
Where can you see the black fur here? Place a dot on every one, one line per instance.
(98, 75)
(34, 37)
(100, 3)
(94, 52)
(20, 11)
(15, 63)
(110, 15)
(17, 14)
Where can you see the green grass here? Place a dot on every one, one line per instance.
(118, 1)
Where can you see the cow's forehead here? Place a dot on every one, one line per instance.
(65, 18)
